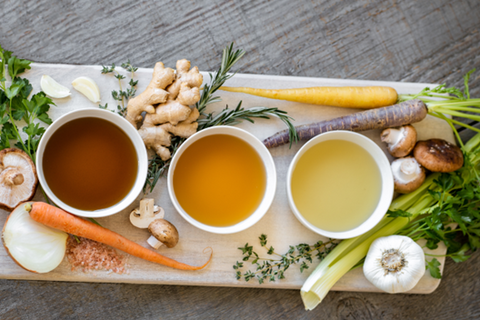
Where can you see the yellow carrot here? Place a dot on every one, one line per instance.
(346, 97)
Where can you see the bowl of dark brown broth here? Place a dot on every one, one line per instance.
(92, 163)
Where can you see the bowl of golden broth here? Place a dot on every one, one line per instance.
(222, 180)
(340, 184)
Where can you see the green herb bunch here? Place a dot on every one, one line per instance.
(454, 219)
(15, 106)
(274, 268)
(120, 95)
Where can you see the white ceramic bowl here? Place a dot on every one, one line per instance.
(271, 176)
(131, 132)
(386, 175)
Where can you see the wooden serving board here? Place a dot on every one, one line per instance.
(279, 223)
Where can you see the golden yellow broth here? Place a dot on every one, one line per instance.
(219, 180)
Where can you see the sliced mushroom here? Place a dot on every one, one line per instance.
(142, 216)
(18, 178)
(408, 175)
(163, 232)
(438, 155)
(400, 141)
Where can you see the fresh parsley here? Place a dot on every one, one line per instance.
(15, 106)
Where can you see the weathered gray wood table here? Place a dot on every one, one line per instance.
(435, 41)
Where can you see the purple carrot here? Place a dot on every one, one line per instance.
(380, 118)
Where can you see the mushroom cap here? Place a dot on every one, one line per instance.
(438, 155)
(18, 178)
(403, 144)
(406, 182)
(165, 232)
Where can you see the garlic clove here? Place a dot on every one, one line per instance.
(88, 88)
(52, 88)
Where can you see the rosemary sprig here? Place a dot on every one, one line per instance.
(229, 58)
(122, 95)
(231, 117)
(157, 167)
(273, 269)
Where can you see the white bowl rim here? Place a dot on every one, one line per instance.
(270, 170)
(383, 165)
(134, 136)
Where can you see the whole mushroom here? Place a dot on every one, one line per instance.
(400, 141)
(438, 155)
(150, 216)
(408, 175)
(163, 232)
(18, 178)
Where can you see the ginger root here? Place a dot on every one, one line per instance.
(167, 102)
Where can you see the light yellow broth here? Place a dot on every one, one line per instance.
(336, 185)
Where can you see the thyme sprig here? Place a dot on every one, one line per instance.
(272, 269)
(122, 96)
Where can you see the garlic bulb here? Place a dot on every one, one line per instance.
(394, 264)
(52, 88)
(32, 245)
(88, 88)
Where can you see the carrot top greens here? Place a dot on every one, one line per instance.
(443, 101)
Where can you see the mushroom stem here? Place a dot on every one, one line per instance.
(14, 178)
(154, 242)
(392, 136)
(408, 168)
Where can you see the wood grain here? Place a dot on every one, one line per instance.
(435, 41)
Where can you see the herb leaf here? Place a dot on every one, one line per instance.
(274, 269)
(433, 267)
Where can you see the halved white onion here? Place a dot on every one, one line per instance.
(88, 88)
(32, 245)
(52, 88)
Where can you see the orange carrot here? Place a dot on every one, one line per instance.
(58, 219)
(346, 97)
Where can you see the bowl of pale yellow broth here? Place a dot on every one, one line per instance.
(340, 184)
(222, 180)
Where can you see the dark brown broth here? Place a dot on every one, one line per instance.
(90, 163)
